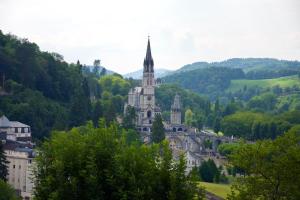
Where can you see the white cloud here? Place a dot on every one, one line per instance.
(181, 31)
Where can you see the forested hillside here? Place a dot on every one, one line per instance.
(253, 98)
(208, 81)
(43, 91)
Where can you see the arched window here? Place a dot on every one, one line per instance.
(149, 113)
(174, 129)
(179, 129)
(145, 129)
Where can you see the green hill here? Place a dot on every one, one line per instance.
(283, 82)
(47, 93)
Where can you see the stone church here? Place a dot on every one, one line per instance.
(143, 99)
(181, 139)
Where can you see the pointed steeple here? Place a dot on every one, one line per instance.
(148, 61)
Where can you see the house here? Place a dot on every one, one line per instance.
(13, 130)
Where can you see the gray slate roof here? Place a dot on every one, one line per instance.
(5, 123)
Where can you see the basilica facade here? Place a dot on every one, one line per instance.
(143, 98)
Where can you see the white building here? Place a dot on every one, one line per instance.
(16, 138)
(20, 169)
(13, 130)
(193, 159)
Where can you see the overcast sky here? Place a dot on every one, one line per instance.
(181, 31)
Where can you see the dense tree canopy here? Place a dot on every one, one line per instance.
(254, 125)
(98, 163)
(272, 168)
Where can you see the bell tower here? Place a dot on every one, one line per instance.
(176, 111)
(148, 87)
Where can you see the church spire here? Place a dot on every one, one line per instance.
(148, 61)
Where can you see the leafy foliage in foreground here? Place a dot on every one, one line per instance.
(7, 192)
(98, 163)
(272, 168)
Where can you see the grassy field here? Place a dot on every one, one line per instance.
(220, 190)
(283, 82)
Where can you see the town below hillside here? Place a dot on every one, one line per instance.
(208, 130)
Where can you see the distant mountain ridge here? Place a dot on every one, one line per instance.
(246, 64)
(159, 73)
(214, 78)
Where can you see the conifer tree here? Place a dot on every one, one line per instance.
(129, 118)
(158, 132)
(3, 163)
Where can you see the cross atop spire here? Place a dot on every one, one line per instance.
(148, 61)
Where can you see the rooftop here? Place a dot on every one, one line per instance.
(5, 123)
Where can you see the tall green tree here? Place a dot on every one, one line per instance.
(158, 131)
(209, 171)
(79, 109)
(129, 118)
(188, 117)
(217, 124)
(97, 112)
(3, 163)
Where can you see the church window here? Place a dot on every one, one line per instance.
(149, 114)
(149, 97)
(179, 129)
